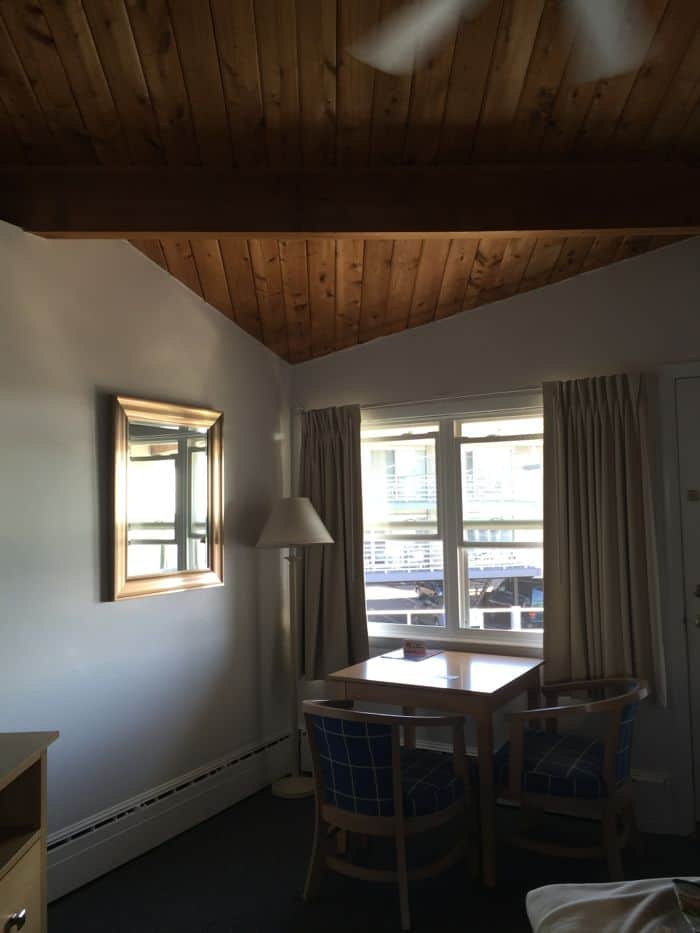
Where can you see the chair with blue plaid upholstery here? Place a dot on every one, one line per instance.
(546, 769)
(368, 783)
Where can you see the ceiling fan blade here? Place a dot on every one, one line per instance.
(405, 40)
(615, 37)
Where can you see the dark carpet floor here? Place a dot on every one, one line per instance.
(244, 870)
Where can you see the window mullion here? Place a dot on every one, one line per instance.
(450, 515)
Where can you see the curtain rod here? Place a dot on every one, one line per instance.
(441, 398)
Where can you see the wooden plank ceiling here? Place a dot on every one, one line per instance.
(268, 84)
(306, 298)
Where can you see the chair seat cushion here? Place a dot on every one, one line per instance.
(429, 781)
(556, 764)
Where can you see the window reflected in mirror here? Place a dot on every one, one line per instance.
(168, 520)
(167, 499)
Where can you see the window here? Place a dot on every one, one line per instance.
(453, 527)
(158, 472)
(501, 541)
(402, 547)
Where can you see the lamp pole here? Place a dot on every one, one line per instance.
(292, 524)
(297, 784)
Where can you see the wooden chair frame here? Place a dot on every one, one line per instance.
(330, 820)
(618, 799)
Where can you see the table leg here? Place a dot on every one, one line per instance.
(533, 697)
(487, 797)
(409, 732)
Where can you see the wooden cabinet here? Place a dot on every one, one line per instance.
(23, 831)
(20, 894)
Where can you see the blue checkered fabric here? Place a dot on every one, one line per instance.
(566, 765)
(560, 765)
(429, 782)
(356, 770)
(355, 765)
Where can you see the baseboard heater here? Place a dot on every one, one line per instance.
(90, 847)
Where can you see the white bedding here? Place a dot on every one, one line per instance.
(648, 906)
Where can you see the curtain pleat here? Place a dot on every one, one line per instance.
(334, 629)
(600, 565)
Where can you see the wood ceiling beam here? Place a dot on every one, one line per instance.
(569, 199)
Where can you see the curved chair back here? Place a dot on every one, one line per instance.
(621, 710)
(354, 758)
(585, 780)
(356, 755)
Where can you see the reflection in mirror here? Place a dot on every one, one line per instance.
(168, 508)
(166, 499)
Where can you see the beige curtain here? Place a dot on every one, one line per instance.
(600, 570)
(334, 620)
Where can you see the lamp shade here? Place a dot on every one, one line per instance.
(294, 522)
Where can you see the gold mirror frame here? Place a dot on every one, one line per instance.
(126, 409)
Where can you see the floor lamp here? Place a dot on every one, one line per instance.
(293, 523)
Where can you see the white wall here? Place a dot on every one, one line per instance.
(142, 690)
(636, 315)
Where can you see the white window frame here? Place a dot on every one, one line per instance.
(447, 414)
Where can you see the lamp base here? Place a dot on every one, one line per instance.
(294, 786)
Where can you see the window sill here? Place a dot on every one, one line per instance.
(527, 644)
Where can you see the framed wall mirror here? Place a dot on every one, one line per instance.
(168, 498)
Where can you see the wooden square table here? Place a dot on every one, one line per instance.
(457, 682)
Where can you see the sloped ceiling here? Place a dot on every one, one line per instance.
(306, 298)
